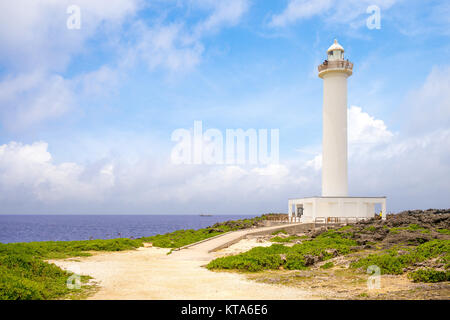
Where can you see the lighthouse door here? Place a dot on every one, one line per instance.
(299, 210)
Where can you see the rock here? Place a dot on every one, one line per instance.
(310, 259)
(214, 230)
(318, 232)
(332, 252)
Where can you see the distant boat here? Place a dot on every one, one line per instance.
(206, 215)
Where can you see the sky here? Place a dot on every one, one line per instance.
(88, 110)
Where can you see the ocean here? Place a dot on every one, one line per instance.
(28, 228)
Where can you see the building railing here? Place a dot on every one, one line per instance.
(278, 218)
(338, 220)
(338, 64)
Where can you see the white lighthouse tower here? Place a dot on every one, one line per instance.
(334, 72)
(334, 206)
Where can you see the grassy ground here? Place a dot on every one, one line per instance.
(25, 275)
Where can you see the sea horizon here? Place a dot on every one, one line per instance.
(70, 227)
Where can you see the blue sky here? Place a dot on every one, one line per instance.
(86, 115)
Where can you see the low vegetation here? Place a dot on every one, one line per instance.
(429, 275)
(285, 239)
(296, 257)
(181, 238)
(275, 233)
(327, 265)
(393, 262)
(444, 231)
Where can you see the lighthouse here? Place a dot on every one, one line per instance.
(334, 72)
(335, 205)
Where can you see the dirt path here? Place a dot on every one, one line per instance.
(149, 273)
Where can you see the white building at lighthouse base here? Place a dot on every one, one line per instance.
(335, 209)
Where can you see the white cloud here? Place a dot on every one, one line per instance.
(29, 175)
(37, 47)
(31, 98)
(429, 106)
(97, 83)
(168, 46)
(178, 46)
(365, 129)
(315, 163)
(300, 9)
(335, 11)
(408, 170)
(365, 133)
(29, 168)
(149, 186)
(34, 33)
(224, 13)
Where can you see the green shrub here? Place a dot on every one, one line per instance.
(292, 258)
(344, 228)
(26, 277)
(278, 232)
(63, 249)
(393, 263)
(429, 275)
(328, 265)
(294, 261)
(370, 229)
(287, 239)
(252, 260)
(411, 227)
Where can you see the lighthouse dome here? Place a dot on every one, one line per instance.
(335, 52)
(335, 46)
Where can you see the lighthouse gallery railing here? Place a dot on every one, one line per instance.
(338, 64)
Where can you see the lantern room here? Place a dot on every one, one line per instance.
(335, 52)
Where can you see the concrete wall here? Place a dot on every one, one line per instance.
(343, 207)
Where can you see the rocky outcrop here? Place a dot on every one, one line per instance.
(411, 227)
